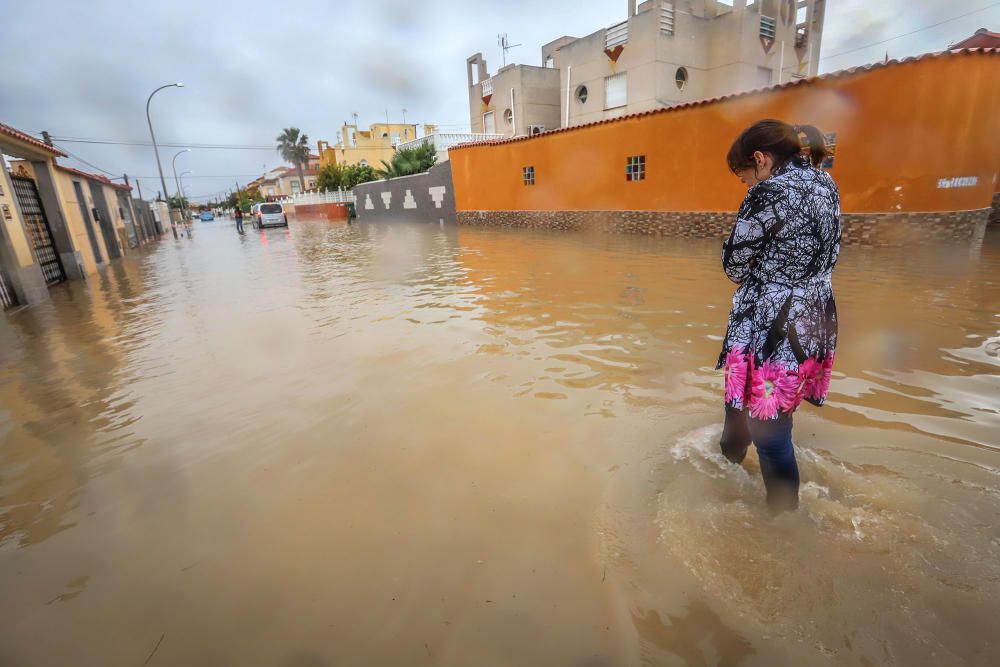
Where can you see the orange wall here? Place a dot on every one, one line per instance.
(900, 128)
(327, 211)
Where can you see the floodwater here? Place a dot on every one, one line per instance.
(421, 445)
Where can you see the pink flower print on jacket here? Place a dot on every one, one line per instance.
(814, 377)
(773, 388)
(736, 375)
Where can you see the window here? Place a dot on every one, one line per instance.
(271, 209)
(763, 76)
(295, 187)
(508, 116)
(489, 126)
(395, 139)
(615, 35)
(616, 90)
(581, 94)
(681, 77)
(635, 168)
(831, 150)
(550, 61)
(667, 18)
(767, 27)
(529, 175)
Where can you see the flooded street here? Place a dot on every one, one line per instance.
(422, 445)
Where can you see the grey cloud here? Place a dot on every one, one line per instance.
(250, 69)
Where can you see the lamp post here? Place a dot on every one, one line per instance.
(185, 210)
(181, 179)
(156, 150)
(173, 167)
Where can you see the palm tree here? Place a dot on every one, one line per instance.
(409, 161)
(294, 147)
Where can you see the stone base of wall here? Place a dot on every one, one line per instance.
(995, 211)
(870, 229)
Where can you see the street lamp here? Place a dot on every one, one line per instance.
(173, 167)
(180, 180)
(163, 181)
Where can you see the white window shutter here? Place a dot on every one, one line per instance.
(616, 90)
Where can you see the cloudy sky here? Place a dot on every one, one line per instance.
(84, 69)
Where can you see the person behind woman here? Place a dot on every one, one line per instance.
(782, 333)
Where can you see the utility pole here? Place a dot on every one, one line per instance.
(139, 235)
(156, 151)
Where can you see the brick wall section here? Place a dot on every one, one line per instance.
(883, 230)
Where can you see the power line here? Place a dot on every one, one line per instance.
(89, 164)
(117, 142)
(190, 176)
(912, 32)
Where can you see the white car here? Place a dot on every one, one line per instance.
(270, 214)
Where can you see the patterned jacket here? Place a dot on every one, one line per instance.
(782, 334)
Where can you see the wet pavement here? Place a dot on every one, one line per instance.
(421, 445)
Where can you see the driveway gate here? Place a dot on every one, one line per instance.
(38, 228)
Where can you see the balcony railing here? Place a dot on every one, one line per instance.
(442, 141)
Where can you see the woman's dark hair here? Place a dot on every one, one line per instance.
(781, 140)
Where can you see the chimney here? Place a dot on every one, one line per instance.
(631, 8)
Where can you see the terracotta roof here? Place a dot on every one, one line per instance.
(17, 134)
(714, 100)
(292, 171)
(982, 38)
(95, 177)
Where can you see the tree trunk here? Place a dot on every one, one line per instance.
(302, 178)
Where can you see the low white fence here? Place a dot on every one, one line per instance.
(332, 197)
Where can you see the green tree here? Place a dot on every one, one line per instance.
(176, 201)
(409, 161)
(244, 199)
(353, 174)
(330, 177)
(294, 148)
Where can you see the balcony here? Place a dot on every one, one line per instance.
(442, 141)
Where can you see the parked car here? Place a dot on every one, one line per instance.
(270, 214)
(207, 216)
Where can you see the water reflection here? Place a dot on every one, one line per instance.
(394, 444)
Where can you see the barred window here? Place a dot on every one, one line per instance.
(529, 175)
(635, 168)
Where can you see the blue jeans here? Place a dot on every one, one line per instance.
(239, 224)
(773, 439)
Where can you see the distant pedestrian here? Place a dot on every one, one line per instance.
(782, 333)
(239, 219)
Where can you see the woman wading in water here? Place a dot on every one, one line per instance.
(782, 332)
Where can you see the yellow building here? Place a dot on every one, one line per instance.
(368, 147)
(97, 215)
(56, 223)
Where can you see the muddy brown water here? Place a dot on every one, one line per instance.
(421, 445)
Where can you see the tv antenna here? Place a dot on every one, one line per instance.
(505, 46)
